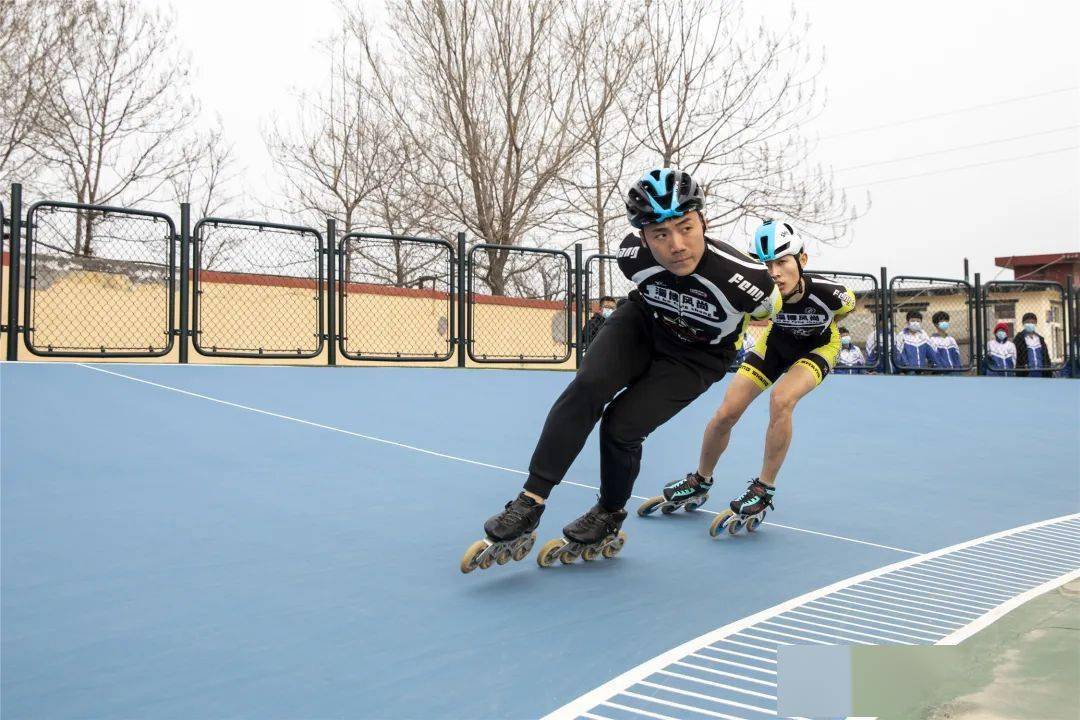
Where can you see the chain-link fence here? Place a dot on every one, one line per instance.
(603, 279)
(4, 265)
(1042, 303)
(864, 322)
(1074, 318)
(519, 305)
(258, 289)
(396, 298)
(919, 341)
(99, 281)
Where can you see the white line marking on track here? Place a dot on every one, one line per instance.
(723, 686)
(966, 627)
(710, 698)
(433, 453)
(744, 666)
(736, 676)
(970, 575)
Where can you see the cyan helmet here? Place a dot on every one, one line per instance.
(662, 194)
(774, 240)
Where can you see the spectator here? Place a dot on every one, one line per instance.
(607, 306)
(913, 350)
(747, 343)
(1032, 355)
(1000, 352)
(851, 358)
(946, 353)
(871, 351)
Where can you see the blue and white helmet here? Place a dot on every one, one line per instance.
(774, 240)
(662, 194)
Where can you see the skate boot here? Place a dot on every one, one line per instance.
(689, 493)
(595, 533)
(747, 511)
(510, 535)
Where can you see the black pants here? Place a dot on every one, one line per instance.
(661, 375)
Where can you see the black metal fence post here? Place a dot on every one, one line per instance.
(980, 331)
(578, 312)
(1072, 325)
(331, 292)
(885, 344)
(463, 331)
(185, 268)
(13, 272)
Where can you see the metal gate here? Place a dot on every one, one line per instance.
(258, 289)
(396, 298)
(519, 305)
(100, 281)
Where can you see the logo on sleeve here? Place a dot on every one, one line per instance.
(629, 252)
(748, 287)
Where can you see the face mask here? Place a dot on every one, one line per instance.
(845, 341)
(914, 325)
(606, 312)
(943, 325)
(1029, 327)
(1000, 334)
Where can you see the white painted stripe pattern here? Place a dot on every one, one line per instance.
(941, 597)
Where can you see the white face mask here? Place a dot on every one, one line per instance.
(606, 312)
(915, 325)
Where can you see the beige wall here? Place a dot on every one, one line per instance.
(77, 307)
(81, 307)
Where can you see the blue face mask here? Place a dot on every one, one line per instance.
(1029, 327)
(943, 325)
(845, 341)
(1000, 335)
(606, 312)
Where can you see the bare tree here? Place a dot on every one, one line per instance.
(207, 181)
(727, 107)
(112, 127)
(32, 36)
(487, 99)
(329, 159)
(606, 42)
(207, 177)
(346, 160)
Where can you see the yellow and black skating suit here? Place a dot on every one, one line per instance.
(802, 333)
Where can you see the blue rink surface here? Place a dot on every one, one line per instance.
(167, 556)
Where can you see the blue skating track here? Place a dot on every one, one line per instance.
(275, 542)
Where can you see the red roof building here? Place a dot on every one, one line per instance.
(1053, 266)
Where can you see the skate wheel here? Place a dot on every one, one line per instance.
(734, 526)
(550, 549)
(589, 554)
(719, 522)
(691, 506)
(612, 548)
(668, 508)
(503, 556)
(649, 506)
(523, 549)
(567, 557)
(469, 559)
(487, 561)
(753, 523)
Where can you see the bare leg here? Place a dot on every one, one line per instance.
(791, 388)
(740, 393)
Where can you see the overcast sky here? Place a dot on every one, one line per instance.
(885, 64)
